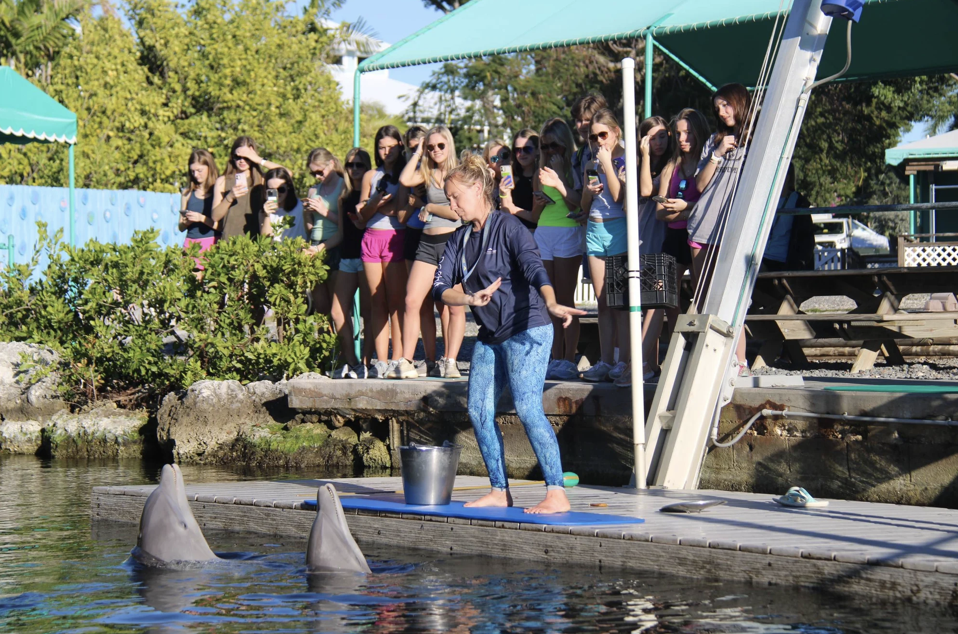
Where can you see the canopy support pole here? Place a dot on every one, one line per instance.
(72, 196)
(911, 199)
(356, 105)
(635, 286)
(649, 51)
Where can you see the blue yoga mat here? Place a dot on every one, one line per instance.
(456, 509)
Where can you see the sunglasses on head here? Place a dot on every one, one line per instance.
(354, 166)
(526, 149)
(601, 136)
(437, 146)
(553, 147)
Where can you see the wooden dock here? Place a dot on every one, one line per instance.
(878, 550)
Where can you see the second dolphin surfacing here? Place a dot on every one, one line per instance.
(331, 546)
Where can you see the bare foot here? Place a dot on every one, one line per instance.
(555, 502)
(493, 498)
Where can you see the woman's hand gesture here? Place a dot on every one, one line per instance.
(270, 206)
(645, 146)
(564, 313)
(192, 216)
(549, 178)
(603, 157)
(317, 205)
(726, 145)
(248, 153)
(483, 297)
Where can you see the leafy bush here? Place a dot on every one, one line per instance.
(134, 320)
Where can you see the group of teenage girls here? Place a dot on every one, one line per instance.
(384, 222)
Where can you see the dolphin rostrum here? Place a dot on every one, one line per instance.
(331, 546)
(168, 531)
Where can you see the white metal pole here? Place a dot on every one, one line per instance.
(635, 287)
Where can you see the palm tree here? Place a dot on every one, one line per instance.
(33, 32)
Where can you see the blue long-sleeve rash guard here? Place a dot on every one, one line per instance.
(510, 253)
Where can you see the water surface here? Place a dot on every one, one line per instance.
(59, 573)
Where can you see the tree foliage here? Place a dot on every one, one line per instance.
(840, 153)
(133, 319)
(188, 76)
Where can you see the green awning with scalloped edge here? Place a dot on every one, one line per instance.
(27, 114)
(721, 40)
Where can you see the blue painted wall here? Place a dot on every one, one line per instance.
(104, 215)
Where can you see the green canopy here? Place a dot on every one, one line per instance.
(721, 41)
(28, 114)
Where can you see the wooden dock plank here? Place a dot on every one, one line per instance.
(851, 546)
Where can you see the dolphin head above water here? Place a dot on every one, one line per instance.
(168, 530)
(331, 546)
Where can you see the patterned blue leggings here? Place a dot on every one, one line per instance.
(522, 361)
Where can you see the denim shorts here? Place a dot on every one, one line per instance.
(604, 239)
(560, 242)
(351, 265)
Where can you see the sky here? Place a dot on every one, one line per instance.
(391, 21)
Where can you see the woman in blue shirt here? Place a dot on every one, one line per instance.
(495, 259)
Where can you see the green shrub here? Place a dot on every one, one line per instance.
(133, 320)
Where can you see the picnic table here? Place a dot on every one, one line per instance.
(776, 318)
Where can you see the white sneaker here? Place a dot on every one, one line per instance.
(421, 368)
(346, 372)
(597, 373)
(450, 369)
(377, 370)
(617, 370)
(403, 369)
(389, 369)
(565, 371)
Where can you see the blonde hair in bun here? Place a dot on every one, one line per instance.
(472, 169)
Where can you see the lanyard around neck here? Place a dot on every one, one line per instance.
(482, 249)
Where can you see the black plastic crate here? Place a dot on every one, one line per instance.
(657, 278)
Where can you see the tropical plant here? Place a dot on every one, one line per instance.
(134, 321)
(33, 32)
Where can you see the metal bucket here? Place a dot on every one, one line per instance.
(429, 473)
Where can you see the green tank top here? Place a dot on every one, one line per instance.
(554, 215)
(323, 228)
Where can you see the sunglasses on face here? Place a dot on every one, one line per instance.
(553, 147)
(501, 157)
(281, 189)
(526, 149)
(354, 166)
(437, 146)
(601, 136)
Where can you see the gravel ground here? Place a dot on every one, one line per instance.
(936, 368)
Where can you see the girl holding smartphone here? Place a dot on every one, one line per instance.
(718, 173)
(384, 204)
(282, 216)
(516, 188)
(196, 203)
(351, 267)
(324, 221)
(606, 236)
(560, 236)
(239, 193)
(496, 154)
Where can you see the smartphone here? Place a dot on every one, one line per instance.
(506, 171)
(545, 196)
(660, 199)
(272, 195)
(241, 180)
(593, 177)
(573, 214)
(381, 185)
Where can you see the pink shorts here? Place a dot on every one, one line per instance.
(205, 245)
(383, 245)
(696, 245)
